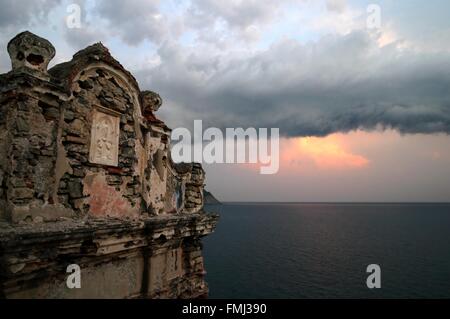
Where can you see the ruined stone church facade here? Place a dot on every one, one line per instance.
(86, 178)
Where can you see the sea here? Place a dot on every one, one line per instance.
(310, 250)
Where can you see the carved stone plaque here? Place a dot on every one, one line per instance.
(104, 138)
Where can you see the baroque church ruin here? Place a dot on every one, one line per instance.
(86, 178)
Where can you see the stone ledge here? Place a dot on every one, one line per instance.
(36, 255)
(20, 234)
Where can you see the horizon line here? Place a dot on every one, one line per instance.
(330, 202)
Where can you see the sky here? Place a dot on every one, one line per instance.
(360, 90)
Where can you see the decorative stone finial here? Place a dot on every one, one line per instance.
(150, 101)
(28, 51)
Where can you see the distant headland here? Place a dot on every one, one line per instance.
(209, 198)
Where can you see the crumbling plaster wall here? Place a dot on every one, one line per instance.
(49, 171)
(29, 156)
(98, 189)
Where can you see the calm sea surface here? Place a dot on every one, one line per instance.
(322, 250)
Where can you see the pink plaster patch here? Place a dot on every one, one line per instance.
(105, 200)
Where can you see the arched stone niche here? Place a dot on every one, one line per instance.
(103, 145)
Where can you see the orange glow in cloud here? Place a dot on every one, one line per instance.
(330, 152)
(356, 150)
(333, 152)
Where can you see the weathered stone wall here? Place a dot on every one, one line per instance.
(86, 177)
(29, 149)
(157, 257)
(87, 186)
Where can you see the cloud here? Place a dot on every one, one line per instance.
(87, 32)
(80, 38)
(341, 21)
(19, 13)
(336, 5)
(324, 153)
(245, 21)
(337, 84)
(137, 20)
(236, 13)
(134, 20)
(17, 16)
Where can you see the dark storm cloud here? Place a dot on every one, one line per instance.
(338, 84)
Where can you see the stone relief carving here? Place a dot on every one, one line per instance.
(104, 139)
